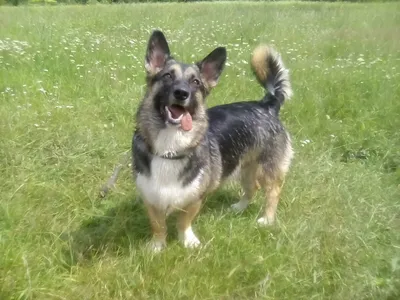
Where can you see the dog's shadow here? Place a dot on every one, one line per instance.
(127, 224)
(115, 230)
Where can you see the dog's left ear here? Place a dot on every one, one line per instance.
(212, 66)
(157, 53)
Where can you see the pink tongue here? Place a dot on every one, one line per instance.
(176, 111)
(186, 122)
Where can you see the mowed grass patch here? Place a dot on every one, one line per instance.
(71, 78)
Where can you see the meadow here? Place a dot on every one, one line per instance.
(71, 78)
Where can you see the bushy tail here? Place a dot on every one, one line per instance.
(271, 73)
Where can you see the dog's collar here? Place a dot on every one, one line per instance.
(173, 155)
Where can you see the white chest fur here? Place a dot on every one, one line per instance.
(172, 139)
(163, 188)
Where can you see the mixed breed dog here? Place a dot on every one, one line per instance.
(182, 150)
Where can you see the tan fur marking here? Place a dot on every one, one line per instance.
(189, 72)
(187, 215)
(272, 196)
(177, 70)
(272, 188)
(184, 225)
(259, 62)
(200, 100)
(258, 186)
(158, 223)
(248, 180)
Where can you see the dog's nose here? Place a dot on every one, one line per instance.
(181, 94)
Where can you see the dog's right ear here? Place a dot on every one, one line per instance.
(157, 53)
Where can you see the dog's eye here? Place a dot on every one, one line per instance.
(167, 75)
(196, 81)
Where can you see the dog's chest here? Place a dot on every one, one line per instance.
(163, 188)
(172, 140)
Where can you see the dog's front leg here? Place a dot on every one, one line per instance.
(185, 219)
(159, 227)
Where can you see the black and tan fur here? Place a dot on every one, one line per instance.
(175, 168)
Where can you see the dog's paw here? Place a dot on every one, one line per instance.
(240, 206)
(189, 239)
(265, 221)
(156, 246)
(192, 242)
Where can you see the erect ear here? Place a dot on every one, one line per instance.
(212, 66)
(157, 53)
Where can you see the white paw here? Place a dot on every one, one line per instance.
(156, 246)
(240, 206)
(189, 239)
(265, 221)
(192, 242)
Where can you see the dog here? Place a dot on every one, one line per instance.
(183, 151)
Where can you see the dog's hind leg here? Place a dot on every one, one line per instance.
(274, 169)
(248, 179)
(184, 225)
(158, 226)
(272, 189)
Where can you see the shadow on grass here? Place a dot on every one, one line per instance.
(126, 225)
(116, 230)
(222, 198)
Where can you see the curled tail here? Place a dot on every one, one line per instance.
(271, 73)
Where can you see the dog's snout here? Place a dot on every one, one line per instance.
(181, 94)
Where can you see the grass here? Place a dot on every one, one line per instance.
(71, 78)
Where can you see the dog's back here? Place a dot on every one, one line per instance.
(250, 136)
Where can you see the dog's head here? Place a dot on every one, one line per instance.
(176, 91)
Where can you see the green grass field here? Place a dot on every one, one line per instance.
(71, 78)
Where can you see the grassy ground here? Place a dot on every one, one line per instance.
(70, 81)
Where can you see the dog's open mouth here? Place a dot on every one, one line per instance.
(177, 114)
